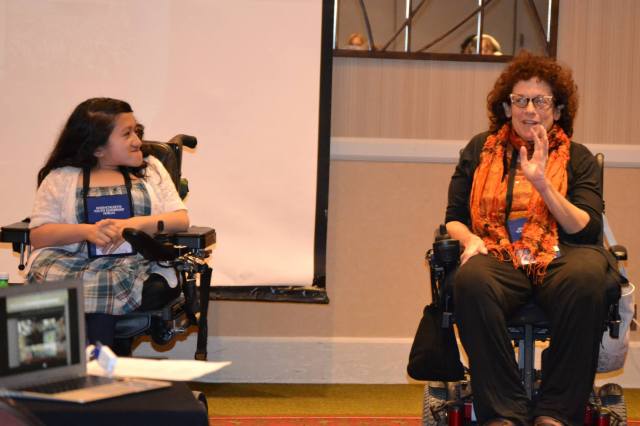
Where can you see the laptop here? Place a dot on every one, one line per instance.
(42, 347)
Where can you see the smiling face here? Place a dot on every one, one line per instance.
(123, 146)
(524, 119)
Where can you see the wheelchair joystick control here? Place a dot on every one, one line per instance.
(150, 248)
(160, 235)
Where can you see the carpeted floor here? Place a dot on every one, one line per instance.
(329, 405)
(312, 400)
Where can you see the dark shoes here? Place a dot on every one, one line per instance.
(546, 421)
(499, 422)
(539, 421)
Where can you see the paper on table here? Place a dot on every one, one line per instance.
(164, 369)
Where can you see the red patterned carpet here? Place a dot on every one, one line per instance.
(313, 421)
(326, 421)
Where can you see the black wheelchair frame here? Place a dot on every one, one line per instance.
(186, 251)
(527, 325)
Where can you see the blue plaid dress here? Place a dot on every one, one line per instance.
(112, 285)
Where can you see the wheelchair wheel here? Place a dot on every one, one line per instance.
(161, 334)
(435, 398)
(616, 405)
(618, 408)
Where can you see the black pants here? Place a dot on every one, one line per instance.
(487, 292)
(155, 294)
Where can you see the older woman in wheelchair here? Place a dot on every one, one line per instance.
(526, 204)
(96, 183)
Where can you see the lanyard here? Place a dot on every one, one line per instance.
(510, 183)
(86, 178)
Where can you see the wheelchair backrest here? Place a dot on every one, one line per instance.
(170, 155)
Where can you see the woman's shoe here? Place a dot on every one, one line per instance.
(546, 421)
(499, 422)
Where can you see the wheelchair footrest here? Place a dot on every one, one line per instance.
(135, 323)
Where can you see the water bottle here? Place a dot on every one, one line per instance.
(4, 279)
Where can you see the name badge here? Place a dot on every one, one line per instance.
(515, 233)
(109, 207)
(515, 228)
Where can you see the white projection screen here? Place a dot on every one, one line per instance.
(241, 75)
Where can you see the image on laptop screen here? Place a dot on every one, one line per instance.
(40, 331)
(42, 347)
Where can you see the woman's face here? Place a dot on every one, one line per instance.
(523, 119)
(123, 146)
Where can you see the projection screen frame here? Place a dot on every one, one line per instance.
(315, 293)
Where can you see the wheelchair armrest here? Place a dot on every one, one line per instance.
(443, 259)
(148, 247)
(16, 233)
(619, 252)
(169, 247)
(196, 237)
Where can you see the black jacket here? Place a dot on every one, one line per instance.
(584, 189)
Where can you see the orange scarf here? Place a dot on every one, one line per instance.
(488, 208)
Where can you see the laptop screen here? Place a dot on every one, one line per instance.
(40, 329)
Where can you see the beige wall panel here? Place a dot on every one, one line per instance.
(410, 99)
(600, 40)
(382, 215)
(381, 221)
(622, 198)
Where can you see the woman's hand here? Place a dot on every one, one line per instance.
(107, 234)
(173, 222)
(474, 245)
(97, 235)
(534, 169)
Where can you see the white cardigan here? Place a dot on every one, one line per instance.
(56, 197)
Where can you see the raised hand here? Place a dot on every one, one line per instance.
(534, 168)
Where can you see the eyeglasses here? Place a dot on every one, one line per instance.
(540, 102)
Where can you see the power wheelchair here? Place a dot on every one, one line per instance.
(185, 251)
(451, 403)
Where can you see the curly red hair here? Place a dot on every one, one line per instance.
(524, 67)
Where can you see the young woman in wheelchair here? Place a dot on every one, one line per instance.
(95, 183)
(525, 202)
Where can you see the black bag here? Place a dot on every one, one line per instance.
(434, 354)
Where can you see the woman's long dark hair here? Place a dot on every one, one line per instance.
(88, 128)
